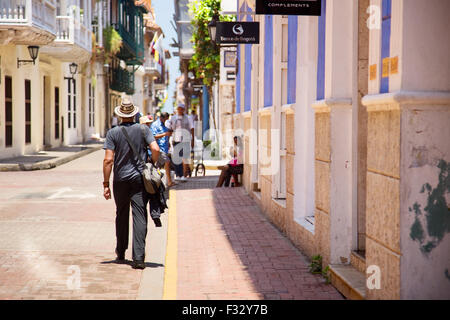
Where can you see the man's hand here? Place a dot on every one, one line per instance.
(107, 193)
(107, 168)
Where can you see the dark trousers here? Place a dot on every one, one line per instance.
(126, 193)
(178, 167)
(239, 169)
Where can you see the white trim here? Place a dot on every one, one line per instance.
(288, 108)
(333, 102)
(305, 224)
(265, 111)
(246, 114)
(282, 202)
(379, 102)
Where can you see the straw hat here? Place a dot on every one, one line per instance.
(146, 119)
(126, 109)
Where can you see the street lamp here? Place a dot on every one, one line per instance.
(212, 27)
(73, 67)
(33, 51)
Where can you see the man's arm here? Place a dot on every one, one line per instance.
(107, 168)
(155, 151)
(161, 135)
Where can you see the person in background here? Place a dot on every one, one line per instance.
(147, 120)
(183, 141)
(234, 167)
(154, 207)
(162, 135)
(137, 117)
(114, 121)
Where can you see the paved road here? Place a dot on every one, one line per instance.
(57, 241)
(56, 228)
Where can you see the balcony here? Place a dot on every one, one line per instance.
(121, 80)
(130, 25)
(73, 39)
(152, 68)
(27, 22)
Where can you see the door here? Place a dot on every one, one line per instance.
(46, 112)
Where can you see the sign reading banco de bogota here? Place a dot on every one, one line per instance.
(237, 32)
(289, 7)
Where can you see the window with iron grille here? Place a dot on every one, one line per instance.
(27, 111)
(8, 112)
(72, 104)
(91, 115)
(56, 113)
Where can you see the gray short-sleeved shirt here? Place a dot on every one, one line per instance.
(127, 166)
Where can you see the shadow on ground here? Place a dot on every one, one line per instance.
(130, 263)
(275, 267)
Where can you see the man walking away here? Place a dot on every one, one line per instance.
(183, 140)
(128, 186)
(162, 135)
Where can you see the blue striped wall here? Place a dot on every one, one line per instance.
(268, 61)
(385, 42)
(292, 59)
(248, 72)
(238, 80)
(321, 54)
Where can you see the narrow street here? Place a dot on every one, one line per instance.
(57, 241)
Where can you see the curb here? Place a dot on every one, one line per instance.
(49, 164)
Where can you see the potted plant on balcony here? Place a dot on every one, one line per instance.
(112, 41)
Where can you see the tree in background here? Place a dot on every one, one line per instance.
(205, 63)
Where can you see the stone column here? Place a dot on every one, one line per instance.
(409, 155)
(339, 79)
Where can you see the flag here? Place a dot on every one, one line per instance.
(159, 51)
(152, 44)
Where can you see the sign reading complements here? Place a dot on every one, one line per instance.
(289, 7)
(237, 32)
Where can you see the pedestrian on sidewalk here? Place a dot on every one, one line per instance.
(128, 186)
(114, 121)
(183, 141)
(157, 202)
(162, 135)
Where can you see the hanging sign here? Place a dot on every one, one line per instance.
(237, 32)
(289, 7)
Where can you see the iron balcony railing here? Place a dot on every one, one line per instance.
(121, 80)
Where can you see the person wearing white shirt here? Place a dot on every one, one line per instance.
(183, 141)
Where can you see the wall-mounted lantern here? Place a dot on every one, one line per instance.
(73, 67)
(33, 51)
(212, 27)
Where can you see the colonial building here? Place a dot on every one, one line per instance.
(345, 120)
(59, 83)
(42, 104)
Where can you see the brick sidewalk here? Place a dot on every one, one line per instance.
(228, 250)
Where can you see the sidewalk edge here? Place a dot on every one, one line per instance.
(45, 165)
(170, 274)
